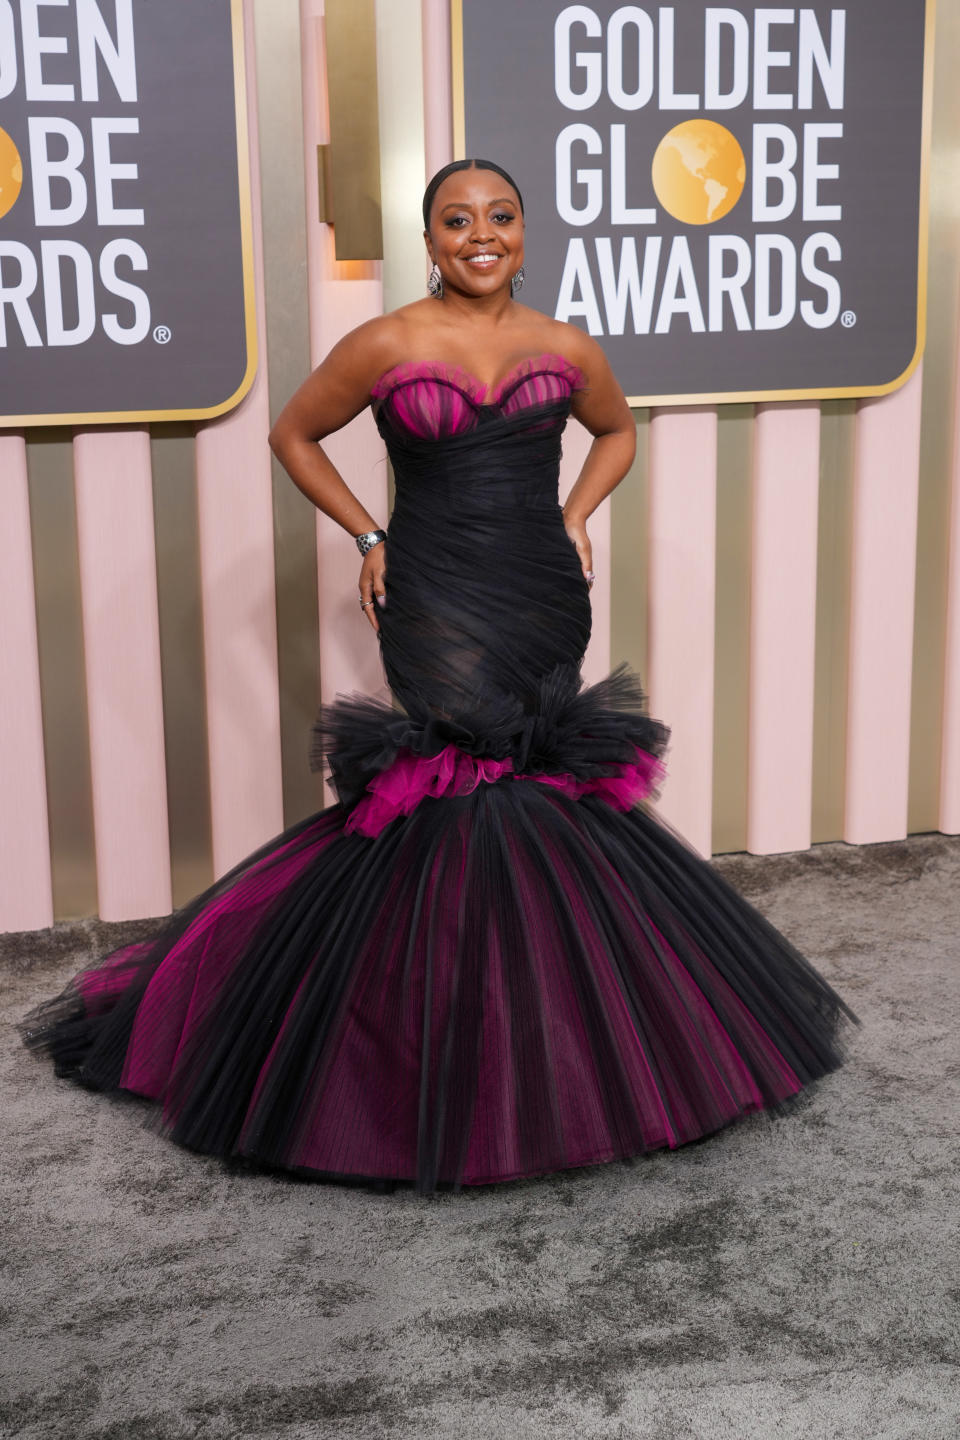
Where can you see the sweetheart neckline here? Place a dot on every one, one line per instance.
(482, 396)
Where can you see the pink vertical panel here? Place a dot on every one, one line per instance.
(950, 744)
(121, 647)
(783, 604)
(26, 891)
(886, 482)
(237, 586)
(342, 296)
(437, 97)
(682, 584)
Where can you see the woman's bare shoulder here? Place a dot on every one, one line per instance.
(383, 341)
(369, 343)
(557, 337)
(573, 344)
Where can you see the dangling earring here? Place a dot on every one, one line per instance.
(517, 281)
(435, 282)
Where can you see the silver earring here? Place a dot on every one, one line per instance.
(517, 280)
(435, 282)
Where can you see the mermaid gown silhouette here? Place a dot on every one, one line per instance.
(489, 959)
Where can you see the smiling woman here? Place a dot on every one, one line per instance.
(488, 959)
(500, 215)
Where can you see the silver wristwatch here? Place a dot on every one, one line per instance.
(368, 539)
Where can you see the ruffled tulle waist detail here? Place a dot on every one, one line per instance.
(596, 740)
(411, 779)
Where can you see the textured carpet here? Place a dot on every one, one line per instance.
(785, 1278)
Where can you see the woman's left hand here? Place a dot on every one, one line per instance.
(373, 582)
(577, 533)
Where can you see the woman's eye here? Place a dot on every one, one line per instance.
(457, 222)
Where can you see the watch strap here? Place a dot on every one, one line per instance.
(368, 539)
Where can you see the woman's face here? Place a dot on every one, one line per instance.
(476, 232)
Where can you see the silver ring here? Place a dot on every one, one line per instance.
(365, 603)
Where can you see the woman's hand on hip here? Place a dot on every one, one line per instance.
(577, 534)
(373, 582)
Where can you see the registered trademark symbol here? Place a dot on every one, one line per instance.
(848, 319)
(162, 333)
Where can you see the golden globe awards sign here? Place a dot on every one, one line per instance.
(126, 272)
(730, 198)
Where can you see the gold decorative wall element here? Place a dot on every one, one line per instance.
(350, 169)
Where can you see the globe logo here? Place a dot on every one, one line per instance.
(11, 173)
(699, 172)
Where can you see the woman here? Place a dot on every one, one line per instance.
(488, 959)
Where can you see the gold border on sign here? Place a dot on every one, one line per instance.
(456, 80)
(730, 397)
(103, 417)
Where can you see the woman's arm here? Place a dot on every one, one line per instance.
(331, 396)
(603, 410)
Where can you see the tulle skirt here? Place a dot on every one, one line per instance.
(499, 984)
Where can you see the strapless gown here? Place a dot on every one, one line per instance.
(489, 959)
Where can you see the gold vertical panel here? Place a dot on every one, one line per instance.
(181, 657)
(63, 689)
(834, 542)
(936, 444)
(456, 79)
(629, 548)
(324, 186)
(351, 42)
(280, 120)
(731, 703)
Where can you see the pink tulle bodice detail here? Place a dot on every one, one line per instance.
(431, 399)
(401, 787)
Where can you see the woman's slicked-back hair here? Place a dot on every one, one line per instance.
(451, 169)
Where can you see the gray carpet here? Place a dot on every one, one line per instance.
(786, 1278)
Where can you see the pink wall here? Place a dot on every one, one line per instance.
(26, 890)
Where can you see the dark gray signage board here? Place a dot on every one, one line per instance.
(731, 198)
(126, 257)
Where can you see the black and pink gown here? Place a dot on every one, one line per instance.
(489, 959)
